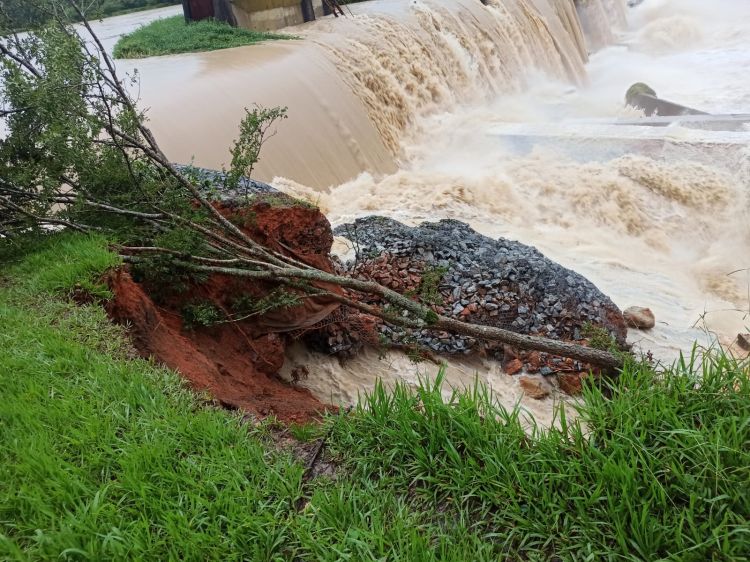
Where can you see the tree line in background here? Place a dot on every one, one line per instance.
(27, 14)
(110, 7)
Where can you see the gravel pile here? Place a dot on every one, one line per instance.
(494, 282)
(213, 184)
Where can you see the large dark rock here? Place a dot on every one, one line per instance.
(639, 317)
(642, 96)
(494, 282)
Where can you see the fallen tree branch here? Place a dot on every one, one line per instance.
(426, 318)
(5, 202)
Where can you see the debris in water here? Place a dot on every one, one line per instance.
(639, 317)
(535, 387)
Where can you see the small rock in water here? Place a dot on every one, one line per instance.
(513, 366)
(535, 387)
(639, 317)
(571, 383)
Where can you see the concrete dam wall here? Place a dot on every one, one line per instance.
(267, 15)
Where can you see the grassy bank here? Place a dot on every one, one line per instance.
(173, 35)
(106, 457)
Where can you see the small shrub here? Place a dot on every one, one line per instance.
(599, 338)
(201, 314)
(246, 305)
(429, 287)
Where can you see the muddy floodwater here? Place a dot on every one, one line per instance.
(505, 115)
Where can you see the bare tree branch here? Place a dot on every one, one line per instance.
(486, 333)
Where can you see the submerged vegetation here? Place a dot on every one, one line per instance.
(173, 35)
(106, 457)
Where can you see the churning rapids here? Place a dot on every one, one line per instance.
(502, 114)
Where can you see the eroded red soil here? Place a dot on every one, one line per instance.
(237, 362)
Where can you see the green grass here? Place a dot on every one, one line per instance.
(105, 457)
(659, 471)
(170, 36)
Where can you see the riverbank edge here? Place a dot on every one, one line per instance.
(173, 36)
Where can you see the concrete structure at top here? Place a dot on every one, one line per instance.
(259, 15)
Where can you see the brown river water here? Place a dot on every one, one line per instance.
(503, 115)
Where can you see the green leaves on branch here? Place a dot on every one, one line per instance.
(58, 153)
(162, 271)
(201, 314)
(255, 130)
(246, 305)
(77, 152)
(204, 313)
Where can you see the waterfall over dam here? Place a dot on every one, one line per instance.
(356, 86)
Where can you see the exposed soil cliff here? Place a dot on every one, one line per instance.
(237, 362)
